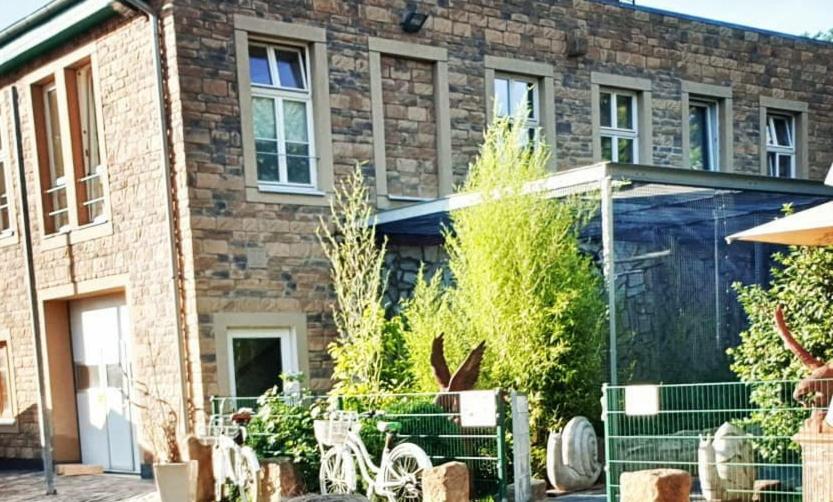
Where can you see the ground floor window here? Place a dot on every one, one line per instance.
(6, 412)
(258, 359)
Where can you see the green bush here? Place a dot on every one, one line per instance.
(284, 428)
(520, 282)
(803, 284)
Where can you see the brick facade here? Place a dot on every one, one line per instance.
(249, 256)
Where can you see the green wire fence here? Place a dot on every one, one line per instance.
(755, 457)
(429, 420)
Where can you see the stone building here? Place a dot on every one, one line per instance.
(179, 154)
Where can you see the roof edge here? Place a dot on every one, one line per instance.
(713, 22)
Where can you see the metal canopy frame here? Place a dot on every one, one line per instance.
(604, 177)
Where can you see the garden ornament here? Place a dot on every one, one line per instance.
(573, 456)
(816, 388)
(725, 465)
(463, 379)
(466, 375)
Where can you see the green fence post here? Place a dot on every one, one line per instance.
(606, 417)
(501, 447)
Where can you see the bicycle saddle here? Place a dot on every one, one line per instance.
(389, 426)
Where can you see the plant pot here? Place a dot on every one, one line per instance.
(176, 482)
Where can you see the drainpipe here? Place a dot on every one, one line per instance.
(182, 347)
(45, 412)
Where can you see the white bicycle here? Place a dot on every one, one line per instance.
(231, 461)
(397, 477)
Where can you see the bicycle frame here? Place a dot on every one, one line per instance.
(371, 473)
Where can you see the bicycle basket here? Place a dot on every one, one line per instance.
(333, 432)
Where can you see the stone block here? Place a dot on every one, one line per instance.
(539, 490)
(280, 480)
(200, 450)
(446, 483)
(78, 469)
(655, 485)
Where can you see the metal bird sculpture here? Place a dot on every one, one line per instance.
(818, 387)
(466, 375)
(463, 379)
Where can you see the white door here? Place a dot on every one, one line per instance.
(100, 351)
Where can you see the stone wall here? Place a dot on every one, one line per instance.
(410, 127)
(134, 255)
(252, 256)
(402, 266)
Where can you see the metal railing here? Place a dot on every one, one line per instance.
(738, 440)
(430, 420)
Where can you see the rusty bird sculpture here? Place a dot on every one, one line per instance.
(818, 387)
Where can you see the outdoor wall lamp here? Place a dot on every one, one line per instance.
(413, 20)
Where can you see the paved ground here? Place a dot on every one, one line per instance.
(25, 486)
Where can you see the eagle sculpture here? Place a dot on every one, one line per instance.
(818, 387)
(463, 379)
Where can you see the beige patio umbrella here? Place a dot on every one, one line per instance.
(811, 227)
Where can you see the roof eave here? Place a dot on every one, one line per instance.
(51, 31)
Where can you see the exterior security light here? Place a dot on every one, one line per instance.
(413, 20)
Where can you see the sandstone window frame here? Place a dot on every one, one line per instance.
(314, 39)
(641, 89)
(8, 421)
(722, 96)
(799, 111)
(224, 324)
(544, 76)
(288, 346)
(62, 74)
(439, 58)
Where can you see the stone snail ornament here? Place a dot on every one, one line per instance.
(573, 456)
(725, 465)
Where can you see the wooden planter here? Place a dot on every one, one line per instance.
(817, 460)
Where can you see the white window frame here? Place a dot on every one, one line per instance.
(60, 182)
(533, 120)
(289, 352)
(5, 197)
(712, 107)
(9, 424)
(614, 131)
(780, 150)
(278, 94)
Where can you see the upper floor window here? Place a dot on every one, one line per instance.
(780, 145)
(514, 93)
(704, 143)
(5, 200)
(282, 114)
(55, 195)
(618, 126)
(69, 146)
(84, 120)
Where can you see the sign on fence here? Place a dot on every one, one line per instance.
(478, 408)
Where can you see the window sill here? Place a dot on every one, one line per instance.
(9, 426)
(8, 238)
(77, 235)
(287, 195)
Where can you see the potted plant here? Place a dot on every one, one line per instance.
(176, 479)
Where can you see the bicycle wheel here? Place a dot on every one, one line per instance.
(248, 475)
(338, 472)
(402, 473)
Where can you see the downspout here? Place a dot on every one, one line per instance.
(182, 345)
(45, 419)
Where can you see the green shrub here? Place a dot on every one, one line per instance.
(803, 285)
(284, 428)
(366, 352)
(520, 282)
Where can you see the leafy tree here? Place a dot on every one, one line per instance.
(520, 282)
(367, 354)
(826, 36)
(803, 284)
